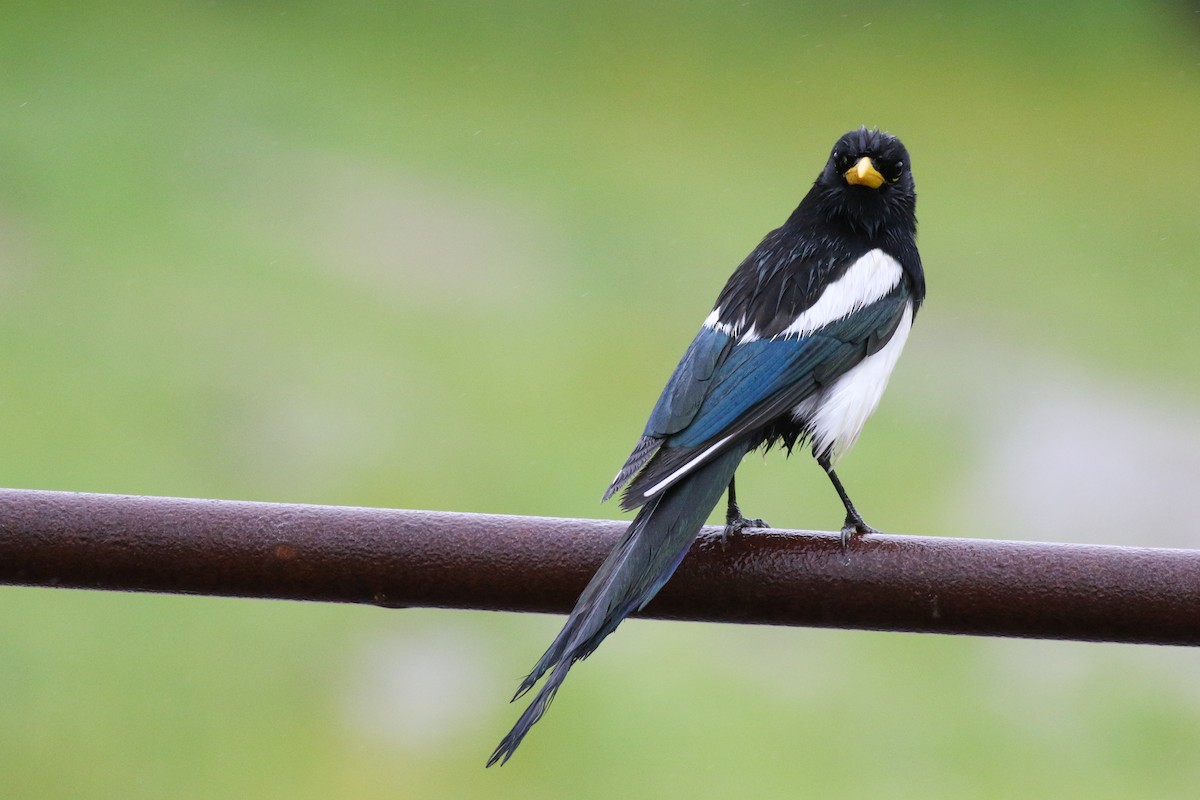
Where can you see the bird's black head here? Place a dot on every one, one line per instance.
(867, 183)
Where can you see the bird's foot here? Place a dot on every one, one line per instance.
(735, 524)
(854, 527)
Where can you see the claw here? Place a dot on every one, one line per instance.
(854, 527)
(735, 525)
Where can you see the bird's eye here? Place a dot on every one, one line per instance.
(844, 160)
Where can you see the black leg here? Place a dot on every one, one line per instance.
(854, 524)
(734, 521)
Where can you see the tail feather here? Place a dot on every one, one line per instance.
(588, 607)
(508, 745)
(641, 563)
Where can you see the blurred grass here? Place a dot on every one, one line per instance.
(444, 256)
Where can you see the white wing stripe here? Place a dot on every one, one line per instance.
(684, 470)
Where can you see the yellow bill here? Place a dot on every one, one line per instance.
(864, 173)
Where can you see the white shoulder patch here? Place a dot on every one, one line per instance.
(869, 278)
(734, 329)
(713, 323)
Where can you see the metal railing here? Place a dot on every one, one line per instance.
(399, 558)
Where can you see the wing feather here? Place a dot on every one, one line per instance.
(679, 402)
(759, 382)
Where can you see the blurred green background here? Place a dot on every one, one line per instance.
(445, 255)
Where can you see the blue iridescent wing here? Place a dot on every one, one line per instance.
(756, 383)
(681, 398)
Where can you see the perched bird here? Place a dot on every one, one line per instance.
(798, 349)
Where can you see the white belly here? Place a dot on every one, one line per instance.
(837, 415)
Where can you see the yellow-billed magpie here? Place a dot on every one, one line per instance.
(798, 348)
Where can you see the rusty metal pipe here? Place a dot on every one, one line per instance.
(401, 558)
